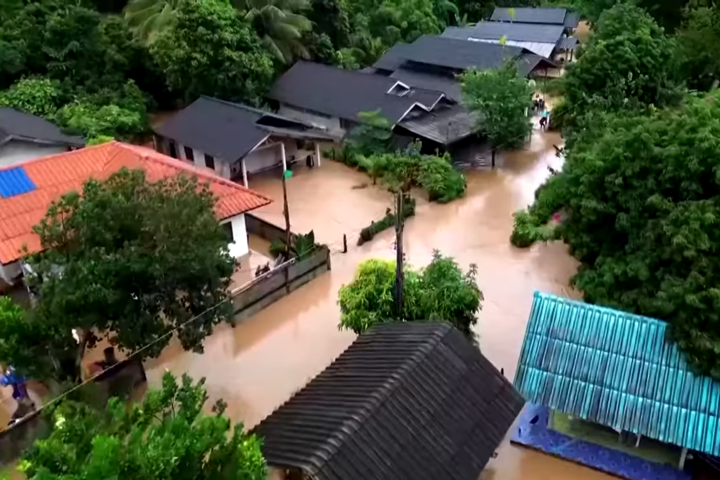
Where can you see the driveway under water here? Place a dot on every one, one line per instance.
(263, 361)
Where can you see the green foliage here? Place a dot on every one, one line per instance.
(128, 260)
(501, 100)
(331, 18)
(388, 221)
(280, 26)
(373, 135)
(150, 17)
(91, 121)
(627, 65)
(209, 50)
(438, 292)
(640, 203)
(99, 140)
(166, 436)
(697, 43)
(440, 180)
(302, 246)
(527, 230)
(38, 96)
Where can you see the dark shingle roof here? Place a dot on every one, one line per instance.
(548, 16)
(459, 54)
(406, 401)
(442, 83)
(228, 130)
(24, 126)
(393, 58)
(445, 125)
(339, 93)
(519, 32)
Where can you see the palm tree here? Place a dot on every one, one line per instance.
(149, 17)
(279, 26)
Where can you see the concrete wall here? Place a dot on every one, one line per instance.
(15, 152)
(222, 166)
(269, 156)
(331, 124)
(9, 272)
(240, 246)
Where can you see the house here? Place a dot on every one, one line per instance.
(235, 140)
(331, 98)
(27, 190)
(405, 401)
(538, 16)
(543, 40)
(597, 376)
(25, 137)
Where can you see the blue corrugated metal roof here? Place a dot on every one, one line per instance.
(14, 181)
(618, 370)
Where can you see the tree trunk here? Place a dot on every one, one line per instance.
(493, 158)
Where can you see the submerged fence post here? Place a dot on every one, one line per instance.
(344, 243)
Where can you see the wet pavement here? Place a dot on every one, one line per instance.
(263, 361)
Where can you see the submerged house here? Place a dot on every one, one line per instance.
(612, 382)
(25, 137)
(27, 190)
(235, 140)
(406, 401)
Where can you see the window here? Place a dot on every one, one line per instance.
(189, 155)
(173, 150)
(228, 232)
(209, 161)
(159, 144)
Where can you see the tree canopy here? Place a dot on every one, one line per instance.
(128, 260)
(697, 48)
(639, 200)
(438, 292)
(166, 436)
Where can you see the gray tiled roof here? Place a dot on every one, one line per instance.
(549, 16)
(405, 401)
(393, 58)
(341, 93)
(444, 125)
(459, 54)
(228, 130)
(442, 83)
(520, 32)
(24, 126)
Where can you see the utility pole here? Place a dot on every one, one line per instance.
(286, 211)
(400, 257)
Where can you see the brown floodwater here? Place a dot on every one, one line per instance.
(263, 361)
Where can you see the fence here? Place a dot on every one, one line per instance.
(281, 280)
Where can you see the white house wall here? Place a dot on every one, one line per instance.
(331, 124)
(240, 246)
(222, 167)
(15, 152)
(266, 157)
(9, 272)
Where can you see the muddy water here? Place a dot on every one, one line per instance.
(259, 364)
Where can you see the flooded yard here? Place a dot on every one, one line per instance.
(264, 360)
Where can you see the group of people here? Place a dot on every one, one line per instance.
(539, 106)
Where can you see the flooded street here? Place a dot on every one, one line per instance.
(264, 360)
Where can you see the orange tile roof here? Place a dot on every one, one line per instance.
(56, 175)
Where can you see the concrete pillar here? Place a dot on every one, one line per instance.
(244, 172)
(317, 153)
(683, 457)
(282, 156)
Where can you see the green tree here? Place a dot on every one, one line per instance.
(92, 121)
(438, 292)
(280, 26)
(209, 50)
(640, 207)
(150, 17)
(128, 260)
(501, 100)
(38, 96)
(627, 64)
(166, 436)
(330, 17)
(697, 48)
(372, 135)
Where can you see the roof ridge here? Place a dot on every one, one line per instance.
(153, 156)
(55, 156)
(239, 106)
(355, 422)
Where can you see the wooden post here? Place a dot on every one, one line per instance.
(317, 153)
(399, 273)
(282, 157)
(286, 212)
(244, 172)
(344, 243)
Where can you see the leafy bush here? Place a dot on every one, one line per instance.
(367, 233)
(528, 229)
(441, 181)
(38, 96)
(302, 246)
(91, 121)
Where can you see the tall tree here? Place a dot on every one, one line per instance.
(501, 101)
(165, 436)
(280, 26)
(640, 205)
(209, 50)
(128, 260)
(698, 54)
(438, 292)
(150, 17)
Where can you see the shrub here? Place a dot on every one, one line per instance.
(441, 181)
(528, 230)
(367, 233)
(301, 248)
